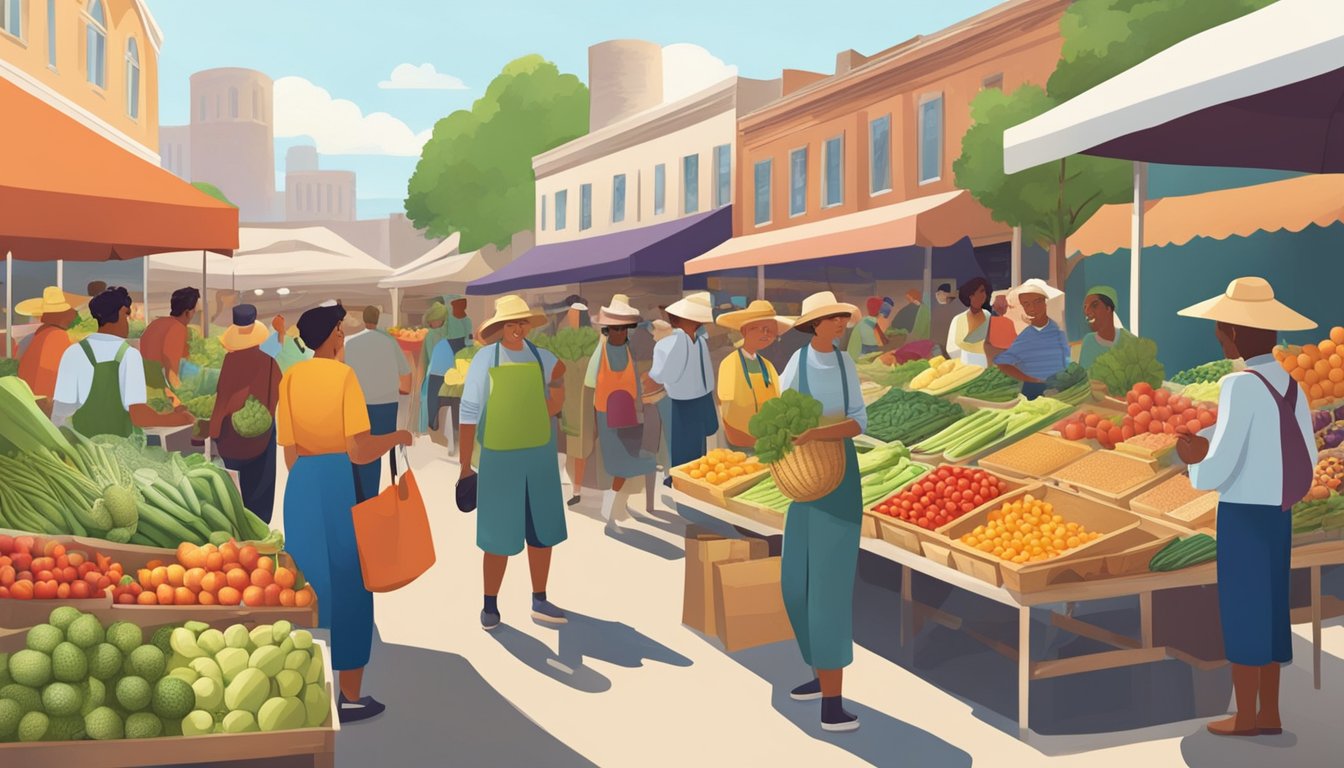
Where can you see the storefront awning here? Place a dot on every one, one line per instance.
(68, 193)
(933, 221)
(657, 250)
(1291, 204)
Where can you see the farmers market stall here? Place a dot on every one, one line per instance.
(1075, 497)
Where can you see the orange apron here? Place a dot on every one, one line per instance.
(617, 393)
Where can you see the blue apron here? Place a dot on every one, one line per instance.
(821, 556)
(1254, 554)
(693, 421)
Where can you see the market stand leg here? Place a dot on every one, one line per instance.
(1023, 671)
(1316, 625)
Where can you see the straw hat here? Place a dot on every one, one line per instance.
(697, 307)
(619, 312)
(1250, 301)
(824, 304)
(1037, 286)
(53, 299)
(757, 310)
(236, 339)
(509, 309)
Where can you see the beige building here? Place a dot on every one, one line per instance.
(315, 195)
(232, 138)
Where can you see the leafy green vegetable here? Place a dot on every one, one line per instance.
(1069, 377)
(781, 420)
(1128, 362)
(9, 366)
(993, 386)
(910, 416)
(569, 344)
(1204, 373)
(891, 375)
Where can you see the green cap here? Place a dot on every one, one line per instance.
(1105, 290)
(437, 313)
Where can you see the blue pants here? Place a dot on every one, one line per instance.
(382, 421)
(256, 479)
(1254, 552)
(692, 422)
(1032, 390)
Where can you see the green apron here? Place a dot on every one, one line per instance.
(520, 499)
(821, 556)
(103, 412)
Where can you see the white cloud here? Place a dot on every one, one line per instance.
(339, 126)
(688, 68)
(422, 78)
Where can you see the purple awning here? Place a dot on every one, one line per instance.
(654, 251)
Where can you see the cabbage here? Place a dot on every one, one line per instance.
(1129, 361)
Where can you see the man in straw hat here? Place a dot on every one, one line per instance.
(681, 363)
(511, 397)
(57, 310)
(1259, 457)
(1041, 350)
(247, 371)
(746, 379)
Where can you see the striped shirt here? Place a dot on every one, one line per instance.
(1038, 352)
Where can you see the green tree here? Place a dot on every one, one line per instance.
(475, 173)
(213, 191)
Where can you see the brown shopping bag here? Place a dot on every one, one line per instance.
(392, 533)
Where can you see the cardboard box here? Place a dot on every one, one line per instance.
(703, 550)
(750, 606)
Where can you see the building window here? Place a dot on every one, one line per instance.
(543, 213)
(330, 207)
(659, 189)
(930, 139)
(340, 198)
(96, 39)
(761, 185)
(585, 206)
(561, 206)
(132, 79)
(51, 33)
(993, 81)
(233, 103)
(618, 198)
(798, 182)
(256, 104)
(202, 106)
(690, 184)
(308, 198)
(879, 155)
(11, 17)
(723, 175)
(833, 179)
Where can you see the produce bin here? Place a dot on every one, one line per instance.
(1093, 515)
(1112, 477)
(1034, 456)
(1175, 501)
(1127, 553)
(755, 512)
(914, 538)
(711, 493)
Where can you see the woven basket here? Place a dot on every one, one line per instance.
(810, 471)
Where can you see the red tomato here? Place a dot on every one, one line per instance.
(125, 598)
(45, 575)
(45, 590)
(6, 544)
(7, 575)
(966, 507)
(25, 544)
(978, 500)
(22, 590)
(43, 563)
(80, 590)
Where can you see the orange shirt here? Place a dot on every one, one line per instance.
(321, 404)
(39, 364)
(165, 342)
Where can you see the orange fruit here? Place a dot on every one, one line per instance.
(158, 576)
(267, 564)
(285, 577)
(183, 549)
(229, 551)
(207, 598)
(248, 556)
(1316, 392)
(194, 558)
(304, 597)
(229, 596)
(212, 581)
(214, 561)
(1322, 368)
(272, 594)
(176, 575)
(183, 596)
(234, 566)
(262, 578)
(152, 564)
(1311, 350)
(1337, 335)
(1304, 360)
(287, 598)
(165, 594)
(1339, 388)
(237, 578)
(146, 598)
(254, 597)
(1335, 375)
(1327, 348)
(144, 579)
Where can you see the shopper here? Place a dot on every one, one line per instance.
(821, 538)
(746, 379)
(1259, 457)
(511, 397)
(868, 336)
(100, 383)
(966, 336)
(384, 375)
(437, 358)
(1099, 311)
(247, 372)
(165, 342)
(41, 360)
(657, 394)
(905, 319)
(681, 364)
(618, 404)
(323, 424)
(1041, 350)
(457, 326)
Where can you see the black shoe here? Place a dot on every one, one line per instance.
(808, 691)
(354, 711)
(836, 720)
(489, 620)
(573, 501)
(667, 482)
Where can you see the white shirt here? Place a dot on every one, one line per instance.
(74, 377)
(1245, 460)
(676, 368)
(824, 384)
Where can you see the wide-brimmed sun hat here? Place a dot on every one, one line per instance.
(756, 311)
(697, 307)
(824, 304)
(1250, 302)
(1037, 286)
(510, 309)
(52, 300)
(618, 312)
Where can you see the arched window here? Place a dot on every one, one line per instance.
(95, 35)
(256, 104)
(132, 79)
(233, 102)
(202, 107)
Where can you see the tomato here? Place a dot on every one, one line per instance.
(45, 590)
(125, 598)
(7, 575)
(6, 544)
(80, 590)
(24, 576)
(978, 500)
(22, 590)
(24, 544)
(43, 563)
(70, 573)
(45, 575)
(966, 507)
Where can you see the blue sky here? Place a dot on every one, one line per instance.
(347, 48)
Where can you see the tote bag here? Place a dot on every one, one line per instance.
(392, 533)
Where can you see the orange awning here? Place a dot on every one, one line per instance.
(68, 193)
(936, 220)
(1291, 204)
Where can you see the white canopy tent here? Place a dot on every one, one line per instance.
(271, 258)
(442, 268)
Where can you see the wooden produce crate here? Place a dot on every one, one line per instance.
(1126, 553)
(914, 538)
(714, 494)
(756, 512)
(1132, 476)
(1034, 456)
(1198, 511)
(1093, 515)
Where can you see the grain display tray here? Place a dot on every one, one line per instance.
(1006, 461)
(1143, 474)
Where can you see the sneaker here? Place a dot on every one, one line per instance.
(667, 482)
(545, 611)
(808, 691)
(573, 501)
(354, 711)
(839, 722)
(489, 620)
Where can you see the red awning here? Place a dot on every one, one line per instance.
(68, 193)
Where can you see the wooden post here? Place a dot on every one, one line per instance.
(928, 278)
(1136, 242)
(9, 303)
(396, 306)
(60, 274)
(1016, 259)
(205, 301)
(760, 281)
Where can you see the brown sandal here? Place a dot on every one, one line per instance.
(1228, 727)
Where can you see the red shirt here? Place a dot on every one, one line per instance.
(165, 342)
(40, 362)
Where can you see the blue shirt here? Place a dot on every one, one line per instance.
(824, 384)
(1038, 352)
(442, 358)
(683, 366)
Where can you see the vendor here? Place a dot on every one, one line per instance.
(457, 326)
(511, 397)
(100, 384)
(1041, 350)
(1259, 457)
(821, 538)
(247, 371)
(618, 401)
(746, 379)
(1099, 311)
(165, 342)
(868, 336)
(968, 331)
(40, 361)
(681, 363)
(323, 424)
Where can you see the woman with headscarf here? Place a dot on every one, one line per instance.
(966, 336)
(323, 424)
(1099, 311)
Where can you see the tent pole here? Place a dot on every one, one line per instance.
(760, 282)
(60, 274)
(1136, 242)
(144, 277)
(1016, 260)
(205, 301)
(928, 276)
(396, 306)
(9, 303)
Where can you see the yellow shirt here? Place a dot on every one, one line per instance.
(321, 405)
(742, 399)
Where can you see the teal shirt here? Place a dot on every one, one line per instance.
(1093, 347)
(457, 327)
